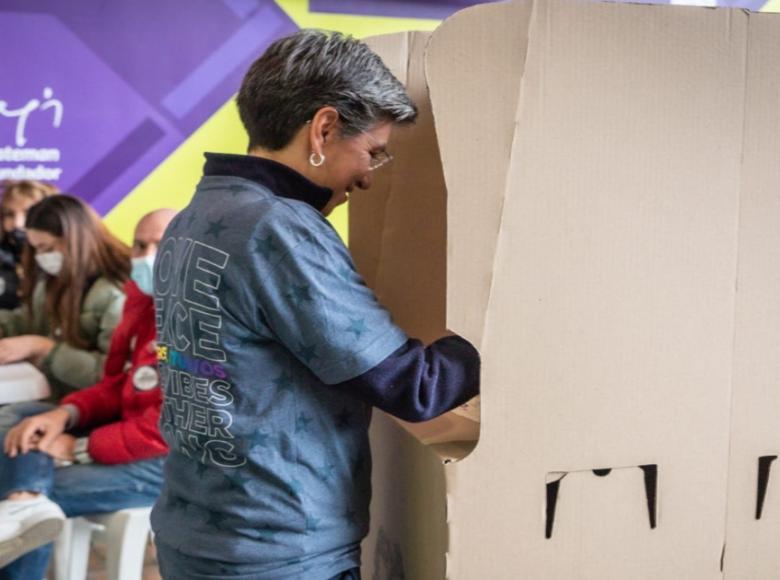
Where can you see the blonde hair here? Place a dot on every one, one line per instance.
(27, 188)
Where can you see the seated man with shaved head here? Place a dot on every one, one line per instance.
(100, 450)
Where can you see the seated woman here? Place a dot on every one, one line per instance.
(17, 198)
(72, 295)
(118, 464)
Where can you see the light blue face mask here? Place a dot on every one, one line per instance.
(142, 274)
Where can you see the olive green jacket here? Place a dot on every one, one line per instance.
(66, 367)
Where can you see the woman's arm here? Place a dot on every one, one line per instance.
(77, 367)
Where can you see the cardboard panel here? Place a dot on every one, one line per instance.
(609, 332)
(474, 77)
(411, 278)
(751, 543)
(408, 532)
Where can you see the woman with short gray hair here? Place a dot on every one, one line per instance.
(272, 348)
(329, 95)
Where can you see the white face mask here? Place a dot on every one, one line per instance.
(50, 262)
(143, 274)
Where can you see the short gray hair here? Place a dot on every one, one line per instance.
(299, 74)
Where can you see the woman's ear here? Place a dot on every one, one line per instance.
(322, 128)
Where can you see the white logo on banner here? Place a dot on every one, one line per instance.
(21, 154)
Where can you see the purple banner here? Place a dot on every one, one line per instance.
(102, 92)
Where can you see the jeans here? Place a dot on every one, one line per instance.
(77, 489)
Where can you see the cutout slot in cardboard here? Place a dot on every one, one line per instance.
(554, 480)
(764, 470)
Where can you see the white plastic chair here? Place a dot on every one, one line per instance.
(124, 533)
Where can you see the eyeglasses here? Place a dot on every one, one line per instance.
(379, 156)
(378, 159)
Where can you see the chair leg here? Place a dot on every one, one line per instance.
(126, 539)
(61, 555)
(71, 549)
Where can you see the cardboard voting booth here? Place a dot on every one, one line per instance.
(591, 196)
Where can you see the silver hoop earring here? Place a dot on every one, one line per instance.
(316, 162)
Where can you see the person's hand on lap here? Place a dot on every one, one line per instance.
(36, 432)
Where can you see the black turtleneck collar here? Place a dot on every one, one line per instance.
(280, 179)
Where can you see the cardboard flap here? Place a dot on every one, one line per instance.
(474, 77)
(411, 279)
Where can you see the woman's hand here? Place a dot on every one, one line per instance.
(35, 432)
(26, 347)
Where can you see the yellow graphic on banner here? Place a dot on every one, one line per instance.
(771, 6)
(172, 183)
(357, 25)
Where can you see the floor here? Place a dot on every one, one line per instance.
(97, 569)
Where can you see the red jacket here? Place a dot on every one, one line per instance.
(123, 409)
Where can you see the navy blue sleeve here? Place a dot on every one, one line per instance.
(416, 383)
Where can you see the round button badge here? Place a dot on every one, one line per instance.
(146, 378)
